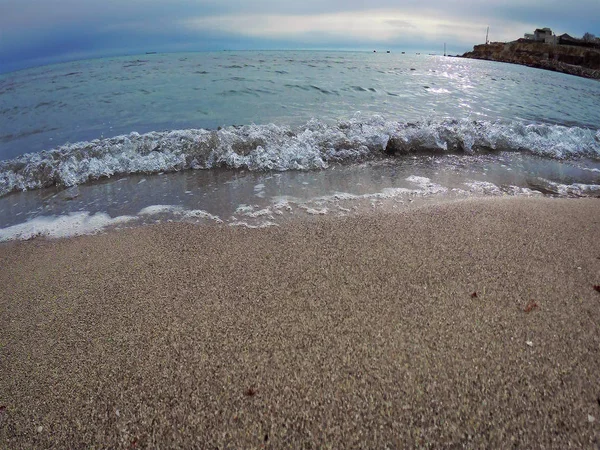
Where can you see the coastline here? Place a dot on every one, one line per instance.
(555, 58)
(567, 69)
(357, 331)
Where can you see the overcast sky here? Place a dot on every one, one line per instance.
(35, 32)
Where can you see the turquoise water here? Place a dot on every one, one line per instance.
(245, 115)
(45, 107)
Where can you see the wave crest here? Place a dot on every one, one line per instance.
(273, 147)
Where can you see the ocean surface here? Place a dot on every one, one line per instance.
(257, 138)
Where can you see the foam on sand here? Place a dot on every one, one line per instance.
(178, 211)
(84, 222)
(73, 224)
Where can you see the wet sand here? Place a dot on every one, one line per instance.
(389, 329)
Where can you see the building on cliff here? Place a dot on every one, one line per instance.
(567, 55)
(565, 39)
(542, 35)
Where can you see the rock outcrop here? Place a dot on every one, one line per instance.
(573, 60)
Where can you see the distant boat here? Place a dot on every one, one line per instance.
(388, 51)
(150, 53)
(403, 53)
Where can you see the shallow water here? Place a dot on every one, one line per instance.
(299, 148)
(260, 199)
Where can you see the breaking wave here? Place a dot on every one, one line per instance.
(271, 147)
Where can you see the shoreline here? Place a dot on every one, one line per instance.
(567, 69)
(556, 58)
(355, 331)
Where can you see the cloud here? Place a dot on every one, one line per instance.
(402, 24)
(34, 30)
(371, 26)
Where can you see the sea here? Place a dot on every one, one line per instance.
(258, 138)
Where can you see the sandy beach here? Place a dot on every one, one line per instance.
(466, 324)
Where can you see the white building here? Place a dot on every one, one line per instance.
(544, 35)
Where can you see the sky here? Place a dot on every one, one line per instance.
(38, 32)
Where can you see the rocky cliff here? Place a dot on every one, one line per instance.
(580, 61)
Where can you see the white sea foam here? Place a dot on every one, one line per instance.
(244, 209)
(270, 147)
(158, 209)
(280, 203)
(423, 181)
(73, 224)
(338, 196)
(179, 211)
(265, 224)
(316, 212)
(483, 187)
(200, 214)
(487, 188)
(573, 190)
(425, 187)
(265, 212)
(80, 223)
(391, 193)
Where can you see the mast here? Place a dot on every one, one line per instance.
(486, 36)
(444, 49)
